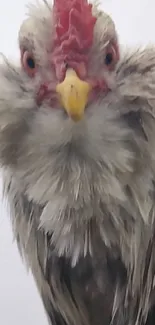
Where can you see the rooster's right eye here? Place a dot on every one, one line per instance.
(28, 63)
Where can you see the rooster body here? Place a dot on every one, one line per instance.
(81, 193)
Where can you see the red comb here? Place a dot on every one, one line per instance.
(74, 25)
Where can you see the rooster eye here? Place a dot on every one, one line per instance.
(28, 63)
(109, 58)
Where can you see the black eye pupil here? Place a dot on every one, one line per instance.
(108, 58)
(30, 63)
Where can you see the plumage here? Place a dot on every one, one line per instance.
(81, 194)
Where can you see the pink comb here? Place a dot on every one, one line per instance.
(74, 25)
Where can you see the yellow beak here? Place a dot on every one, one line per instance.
(73, 94)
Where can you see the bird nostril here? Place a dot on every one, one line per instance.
(66, 65)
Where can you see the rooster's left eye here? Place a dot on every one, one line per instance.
(110, 58)
(28, 63)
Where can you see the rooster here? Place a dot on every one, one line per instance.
(77, 151)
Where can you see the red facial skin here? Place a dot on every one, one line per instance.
(46, 89)
(74, 27)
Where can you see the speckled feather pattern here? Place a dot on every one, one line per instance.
(81, 196)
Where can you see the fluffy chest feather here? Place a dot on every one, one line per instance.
(91, 214)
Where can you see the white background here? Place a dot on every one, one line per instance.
(19, 300)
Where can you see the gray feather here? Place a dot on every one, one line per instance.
(81, 196)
